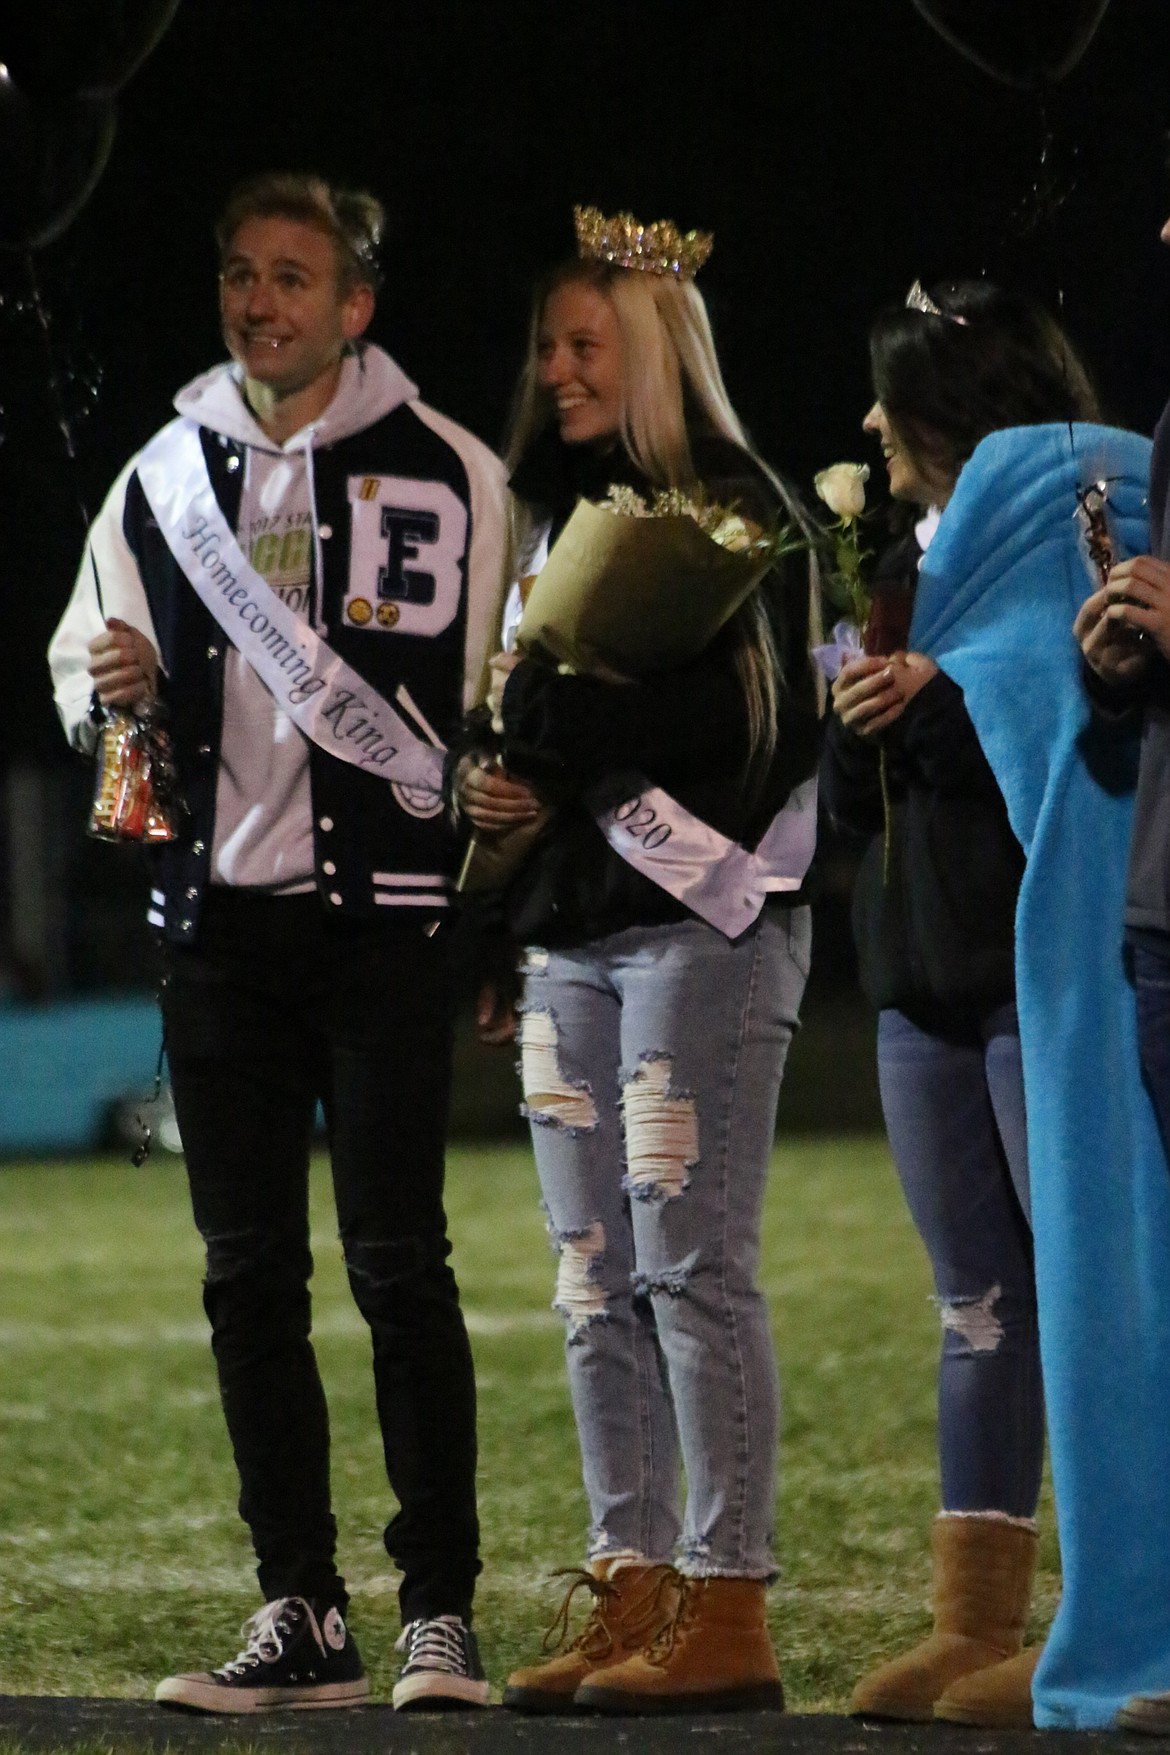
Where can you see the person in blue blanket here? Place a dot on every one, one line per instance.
(1124, 632)
(934, 918)
(1013, 558)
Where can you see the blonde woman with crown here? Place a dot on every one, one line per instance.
(652, 1044)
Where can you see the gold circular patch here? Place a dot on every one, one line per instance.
(359, 611)
(388, 614)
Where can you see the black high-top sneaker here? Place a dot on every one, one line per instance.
(298, 1654)
(442, 1668)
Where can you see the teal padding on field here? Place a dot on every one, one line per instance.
(63, 1065)
(1000, 585)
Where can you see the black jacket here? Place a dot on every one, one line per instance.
(935, 931)
(686, 730)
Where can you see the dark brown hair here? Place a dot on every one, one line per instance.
(944, 385)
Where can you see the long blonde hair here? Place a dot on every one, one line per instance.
(668, 361)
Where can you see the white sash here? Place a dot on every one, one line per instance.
(715, 878)
(321, 694)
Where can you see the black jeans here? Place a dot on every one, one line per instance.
(280, 1004)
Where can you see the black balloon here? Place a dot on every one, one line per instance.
(1024, 43)
(51, 156)
(66, 48)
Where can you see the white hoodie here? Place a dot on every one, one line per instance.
(263, 809)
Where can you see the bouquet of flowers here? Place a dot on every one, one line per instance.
(634, 586)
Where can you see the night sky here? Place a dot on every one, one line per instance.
(837, 149)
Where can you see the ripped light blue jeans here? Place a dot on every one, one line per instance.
(651, 1062)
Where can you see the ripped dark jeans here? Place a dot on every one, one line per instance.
(954, 1106)
(279, 1005)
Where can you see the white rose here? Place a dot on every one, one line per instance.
(734, 534)
(842, 488)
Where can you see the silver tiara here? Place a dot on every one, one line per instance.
(918, 299)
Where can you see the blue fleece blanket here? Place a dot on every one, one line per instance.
(999, 587)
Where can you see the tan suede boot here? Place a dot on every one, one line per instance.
(999, 1697)
(983, 1569)
(715, 1656)
(632, 1602)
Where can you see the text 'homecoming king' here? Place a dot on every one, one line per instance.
(352, 574)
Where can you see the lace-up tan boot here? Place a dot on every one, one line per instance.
(713, 1656)
(632, 1601)
(983, 1570)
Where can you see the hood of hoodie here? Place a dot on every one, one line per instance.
(370, 386)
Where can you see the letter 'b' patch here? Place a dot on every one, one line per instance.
(407, 553)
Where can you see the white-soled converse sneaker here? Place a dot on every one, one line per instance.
(442, 1671)
(296, 1655)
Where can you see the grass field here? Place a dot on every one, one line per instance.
(121, 1557)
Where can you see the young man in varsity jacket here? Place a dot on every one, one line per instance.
(307, 567)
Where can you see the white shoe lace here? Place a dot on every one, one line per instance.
(434, 1645)
(263, 1632)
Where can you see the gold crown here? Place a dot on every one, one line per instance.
(656, 249)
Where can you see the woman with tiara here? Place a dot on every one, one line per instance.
(934, 916)
(652, 1043)
(1038, 515)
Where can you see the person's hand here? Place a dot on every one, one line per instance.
(912, 671)
(865, 695)
(871, 693)
(123, 665)
(1110, 623)
(495, 1016)
(1110, 647)
(1140, 593)
(490, 798)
